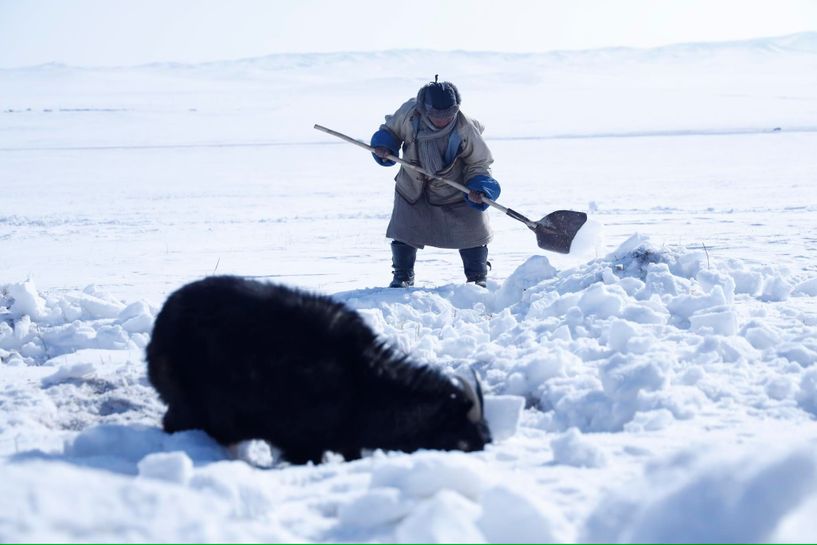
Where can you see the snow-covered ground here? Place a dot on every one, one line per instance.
(668, 372)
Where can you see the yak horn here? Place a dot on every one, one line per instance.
(474, 393)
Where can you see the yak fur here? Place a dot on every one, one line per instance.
(243, 360)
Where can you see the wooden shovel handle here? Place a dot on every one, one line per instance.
(412, 166)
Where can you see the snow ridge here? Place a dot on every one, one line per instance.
(798, 43)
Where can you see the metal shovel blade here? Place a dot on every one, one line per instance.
(556, 231)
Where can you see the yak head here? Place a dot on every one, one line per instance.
(476, 433)
(460, 421)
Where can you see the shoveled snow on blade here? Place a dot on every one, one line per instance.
(589, 241)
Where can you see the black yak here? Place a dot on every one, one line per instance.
(241, 360)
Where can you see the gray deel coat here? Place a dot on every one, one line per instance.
(430, 212)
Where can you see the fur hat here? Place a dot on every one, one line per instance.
(440, 99)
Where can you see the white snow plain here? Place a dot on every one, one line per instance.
(659, 385)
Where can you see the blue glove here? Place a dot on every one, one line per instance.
(485, 185)
(385, 139)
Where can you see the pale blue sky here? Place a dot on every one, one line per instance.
(117, 32)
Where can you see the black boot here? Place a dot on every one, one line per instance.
(402, 262)
(475, 263)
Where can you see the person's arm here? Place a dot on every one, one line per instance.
(388, 139)
(477, 161)
(384, 143)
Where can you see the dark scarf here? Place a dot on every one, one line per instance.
(432, 142)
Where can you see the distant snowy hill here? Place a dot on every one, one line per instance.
(396, 60)
(754, 85)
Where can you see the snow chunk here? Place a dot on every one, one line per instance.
(645, 421)
(658, 279)
(807, 395)
(798, 353)
(445, 518)
(708, 279)
(589, 410)
(572, 449)
(67, 372)
(760, 335)
(136, 318)
(174, 467)
(689, 264)
(95, 307)
(120, 448)
(425, 474)
(635, 242)
(502, 323)
(776, 288)
(27, 301)
(376, 507)
(7, 337)
(748, 282)
(619, 333)
(684, 306)
(807, 287)
(510, 517)
(532, 272)
(131, 443)
(720, 322)
(530, 374)
(693, 500)
(502, 414)
(623, 377)
(645, 313)
(600, 301)
(780, 388)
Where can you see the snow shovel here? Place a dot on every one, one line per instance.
(555, 232)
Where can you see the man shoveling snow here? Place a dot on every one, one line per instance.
(436, 135)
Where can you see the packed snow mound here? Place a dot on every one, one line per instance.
(640, 337)
(35, 329)
(88, 349)
(636, 339)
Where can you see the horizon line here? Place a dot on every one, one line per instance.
(719, 43)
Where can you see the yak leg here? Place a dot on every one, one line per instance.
(303, 455)
(235, 452)
(351, 453)
(179, 419)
